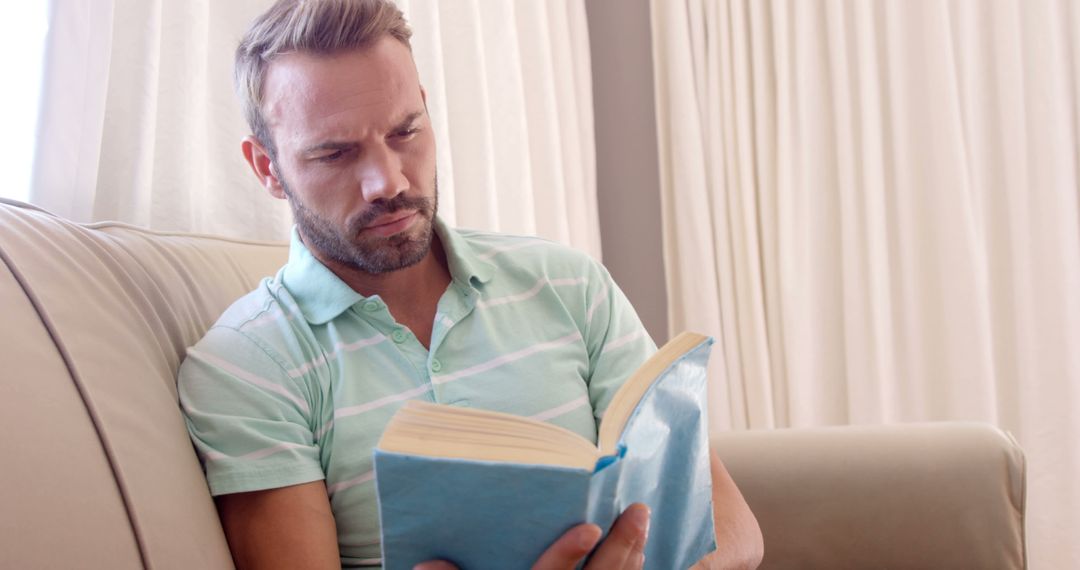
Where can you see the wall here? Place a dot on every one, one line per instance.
(628, 174)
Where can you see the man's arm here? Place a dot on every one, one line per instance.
(291, 528)
(738, 537)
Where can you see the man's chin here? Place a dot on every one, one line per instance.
(382, 262)
(401, 250)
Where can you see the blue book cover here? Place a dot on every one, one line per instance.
(500, 499)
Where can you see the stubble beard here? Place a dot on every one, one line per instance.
(369, 254)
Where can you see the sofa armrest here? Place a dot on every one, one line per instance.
(944, 495)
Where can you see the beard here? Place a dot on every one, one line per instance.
(370, 254)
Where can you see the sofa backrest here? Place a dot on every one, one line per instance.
(97, 469)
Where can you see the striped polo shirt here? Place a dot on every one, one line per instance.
(297, 380)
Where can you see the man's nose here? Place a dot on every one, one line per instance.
(381, 175)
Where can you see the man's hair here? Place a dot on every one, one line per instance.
(322, 27)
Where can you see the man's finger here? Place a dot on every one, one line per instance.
(569, 549)
(624, 546)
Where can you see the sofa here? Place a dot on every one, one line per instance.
(98, 471)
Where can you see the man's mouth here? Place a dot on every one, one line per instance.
(390, 224)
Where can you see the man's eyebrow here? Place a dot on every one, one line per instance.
(408, 120)
(329, 145)
(346, 145)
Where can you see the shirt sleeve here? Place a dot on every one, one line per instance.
(250, 422)
(616, 340)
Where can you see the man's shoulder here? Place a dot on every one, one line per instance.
(268, 316)
(263, 303)
(262, 332)
(529, 253)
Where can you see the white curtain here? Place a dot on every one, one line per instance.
(139, 122)
(875, 207)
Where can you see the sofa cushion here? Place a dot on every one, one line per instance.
(120, 305)
(57, 485)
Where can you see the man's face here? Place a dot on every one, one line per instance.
(355, 154)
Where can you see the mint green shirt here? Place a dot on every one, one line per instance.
(296, 381)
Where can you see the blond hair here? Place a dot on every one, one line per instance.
(323, 27)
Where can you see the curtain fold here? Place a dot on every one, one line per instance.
(140, 123)
(875, 207)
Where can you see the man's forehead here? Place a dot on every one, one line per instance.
(376, 84)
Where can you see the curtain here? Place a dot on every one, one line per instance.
(875, 208)
(139, 122)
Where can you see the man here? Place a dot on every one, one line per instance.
(381, 302)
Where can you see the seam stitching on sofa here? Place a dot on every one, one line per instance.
(107, 225)
(161, 233)
(95, 419)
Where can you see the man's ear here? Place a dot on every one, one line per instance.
(263, 166)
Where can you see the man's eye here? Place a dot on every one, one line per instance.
(332, 156)
(406, 133)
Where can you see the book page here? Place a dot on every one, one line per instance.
(432, 430)
(627, 397)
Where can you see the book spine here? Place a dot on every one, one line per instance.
(603, 506)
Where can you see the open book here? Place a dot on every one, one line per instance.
(492, 490)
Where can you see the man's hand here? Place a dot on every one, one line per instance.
(624, 546)
(623, 549)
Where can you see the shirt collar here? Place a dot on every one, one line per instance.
(322, 295)
(467, 267)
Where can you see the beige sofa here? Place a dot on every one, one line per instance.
(98, 472)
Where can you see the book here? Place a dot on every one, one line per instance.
(486, 489)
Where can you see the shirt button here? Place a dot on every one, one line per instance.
(399, 336)
(371, 306)
(436, 365)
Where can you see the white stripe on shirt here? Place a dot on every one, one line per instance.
(596, 303)
(319, 433)
(505, 359)
(560, 410)
(250, 378)
(257, 454)
(534, 291)
(385, 401)
(339, 348)
(482, 367)
(342, 485)
(621, 341)
(505, 248)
